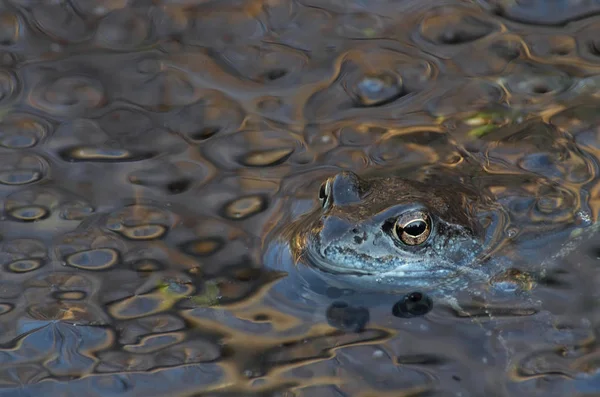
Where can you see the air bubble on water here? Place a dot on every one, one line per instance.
(512, 232)
(378, 354)
(584, 217)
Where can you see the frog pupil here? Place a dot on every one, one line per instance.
(415, 228)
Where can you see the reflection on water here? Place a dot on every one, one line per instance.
(154, 156)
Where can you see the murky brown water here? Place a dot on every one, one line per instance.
(149, 148)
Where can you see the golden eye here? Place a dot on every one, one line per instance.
(413, 228)
(325, 194)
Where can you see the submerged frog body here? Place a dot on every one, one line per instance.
(390, 232)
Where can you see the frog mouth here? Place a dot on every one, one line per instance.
(315, 258)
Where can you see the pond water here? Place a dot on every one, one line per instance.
(168, 177)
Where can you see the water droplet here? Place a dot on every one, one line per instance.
(94, 259)
(245, 207)
(20, 131)
(378, 90)
(29, 213)
(69, 295)
(17, 142)
(24, 265)
(267, 157)
(144, 232)
(19, 177)
(99, 154)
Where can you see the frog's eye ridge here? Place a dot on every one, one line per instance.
(412, 228)
(325, 194)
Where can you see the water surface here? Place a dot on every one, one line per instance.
(148, 150)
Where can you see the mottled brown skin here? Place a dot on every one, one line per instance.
(377, 195)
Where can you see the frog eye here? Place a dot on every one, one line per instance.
(325, 194)
(412, 228)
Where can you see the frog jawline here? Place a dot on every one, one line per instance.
(318, 261)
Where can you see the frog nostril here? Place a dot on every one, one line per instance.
(360, 237)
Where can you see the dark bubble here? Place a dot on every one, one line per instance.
(537, 83)
(204, 133)
(179, 186)
(414, 304)
(275, 74)
(261, 317)
(168, 178)
(347, 318)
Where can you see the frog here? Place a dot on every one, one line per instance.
(388, 231)
(369, 240)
